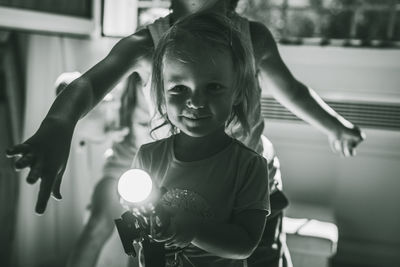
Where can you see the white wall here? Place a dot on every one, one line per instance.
(362, 191)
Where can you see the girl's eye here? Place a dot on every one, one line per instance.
(216, 88)
(178, 89)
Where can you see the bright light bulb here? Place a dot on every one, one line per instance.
(135, 185)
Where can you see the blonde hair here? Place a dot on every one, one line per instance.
(218, 32)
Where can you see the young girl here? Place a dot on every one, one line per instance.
(218, 195)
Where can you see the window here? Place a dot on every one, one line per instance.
(361, 23)
(368, 23)
(123, 17)
(60, 17)
(151, 10)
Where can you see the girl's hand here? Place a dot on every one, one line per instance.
(46, 153)
(346, 140)
(181, 230)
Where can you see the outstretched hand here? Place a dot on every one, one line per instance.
(346, 141)
(46, 154)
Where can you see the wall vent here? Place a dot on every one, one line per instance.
(370, 115)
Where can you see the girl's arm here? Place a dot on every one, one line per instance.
(235, 241)
(297, 97)
(46, 152)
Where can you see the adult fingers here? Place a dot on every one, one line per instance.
(360, 134)
(335, 145)
(17, 150)
(332, 145)
(363, 135)
(352, 147)
(26, 160)
(345, 148)
(34, 173)
(44, 194)
(57, 185)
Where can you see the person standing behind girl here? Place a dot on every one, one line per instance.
(203, 82)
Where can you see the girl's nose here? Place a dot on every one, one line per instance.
(196, 101)
(191, 105)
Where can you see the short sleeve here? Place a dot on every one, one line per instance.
(254, 189)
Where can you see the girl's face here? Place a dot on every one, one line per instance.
(198, 87)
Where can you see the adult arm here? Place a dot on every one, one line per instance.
(46, 152)
(297, 97)
(131, 54)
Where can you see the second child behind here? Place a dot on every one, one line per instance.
(218, 194)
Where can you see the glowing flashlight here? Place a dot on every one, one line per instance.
(135, 186)
(143, 218)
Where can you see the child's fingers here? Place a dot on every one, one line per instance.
(172, 245)
(176, 243)
(26, 160)
(44, 195)
(17, 150)
(166, 235)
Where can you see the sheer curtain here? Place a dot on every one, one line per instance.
(11, 106)
(46, 240)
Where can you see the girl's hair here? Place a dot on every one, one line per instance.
(217, 31)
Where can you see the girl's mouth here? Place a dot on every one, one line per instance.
(196, 118)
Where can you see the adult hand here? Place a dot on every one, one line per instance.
(46, 153)
(346, 140)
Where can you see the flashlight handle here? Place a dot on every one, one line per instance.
(127, 243)
(154, 253)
